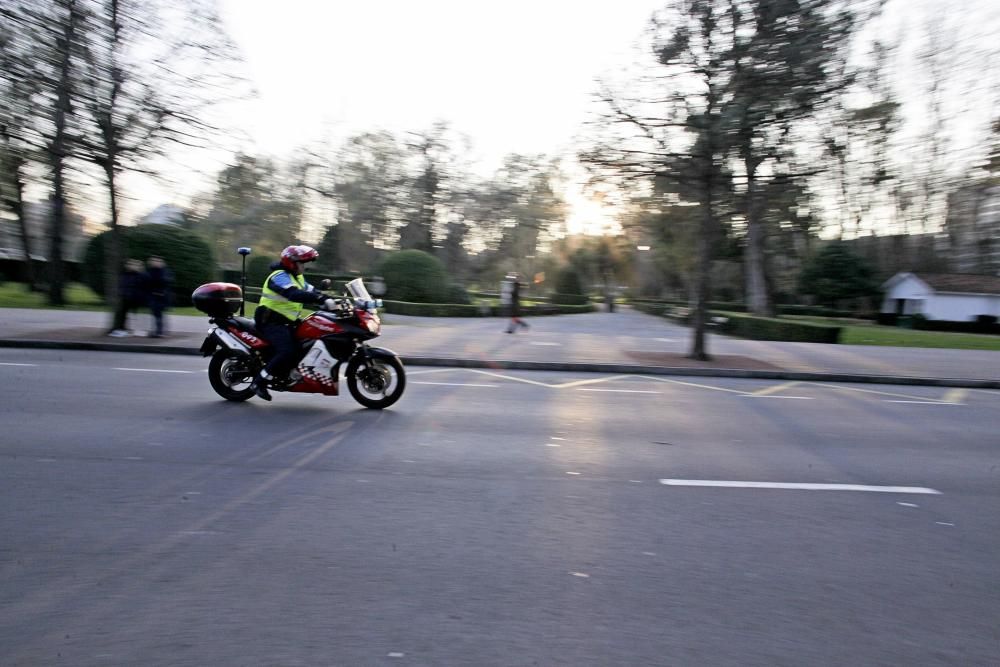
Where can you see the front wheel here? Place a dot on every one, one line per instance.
(231, 375)
(375, 383)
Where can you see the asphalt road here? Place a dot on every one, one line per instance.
(492, 518)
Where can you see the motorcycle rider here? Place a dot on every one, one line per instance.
(282, 299)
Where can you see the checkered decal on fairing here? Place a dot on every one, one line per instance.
(316, 366)
(310, 373)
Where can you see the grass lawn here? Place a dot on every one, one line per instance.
(863, 332)
(78, 297)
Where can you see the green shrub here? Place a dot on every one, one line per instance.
(569, 299)
(415, 276)
(258, 268)
(458, 294)
(766, 328)
(432, 309)
(568, 288)
(187, 255)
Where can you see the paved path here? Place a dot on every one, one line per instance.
(624, 341)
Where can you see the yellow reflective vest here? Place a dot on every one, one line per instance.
(278, 303)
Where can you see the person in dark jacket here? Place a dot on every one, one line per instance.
(281, 304)
(132, 286)
(159, 282)
(514, 306)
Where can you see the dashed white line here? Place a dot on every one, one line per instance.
(885, 400)
(803, 486)
(7, 363)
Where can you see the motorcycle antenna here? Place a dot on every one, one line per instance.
(243, 278)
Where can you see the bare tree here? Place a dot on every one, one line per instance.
(144, 85)
(19, 92)
(678, 142)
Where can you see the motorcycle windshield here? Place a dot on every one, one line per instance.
(356, 288)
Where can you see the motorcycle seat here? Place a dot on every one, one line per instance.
(245, 324)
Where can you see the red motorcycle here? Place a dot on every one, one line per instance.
(329, 339)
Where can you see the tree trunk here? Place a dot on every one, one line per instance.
(16, 205)
(112, 246)
(57, 155)
(699, 312)
(758, 298)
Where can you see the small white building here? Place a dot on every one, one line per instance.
(956, 297)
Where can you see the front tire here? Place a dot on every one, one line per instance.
(375, 383)
(231, 375)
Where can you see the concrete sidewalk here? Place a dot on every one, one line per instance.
(620, 342)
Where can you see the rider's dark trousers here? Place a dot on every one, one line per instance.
(286, 350)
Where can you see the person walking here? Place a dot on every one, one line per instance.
(514, 297)
(159, 283)
(132, 286)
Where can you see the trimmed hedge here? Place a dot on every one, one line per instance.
(564, 299)
(478, 310)
(431, 309)
(749, 326)
(766, 328)
(415, 276)
(187, 255)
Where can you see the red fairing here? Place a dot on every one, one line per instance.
(310, 385)
(315, 326)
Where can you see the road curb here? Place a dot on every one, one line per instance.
(579, 367)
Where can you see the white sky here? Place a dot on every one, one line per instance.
(517, 76)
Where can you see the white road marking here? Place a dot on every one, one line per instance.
(552, 437)
(552, 444)
(799, 486)
(887, 400)
(620, 391)
(667, 340)
(535, 342)
(574, 473)
(908, 504)
(563, 385)
(774, 389)
(695, 384)
(955, 395)
(457, 384)
(582, 575)
(944, 523)
(6, 363)
(150, 370)
(867, 391)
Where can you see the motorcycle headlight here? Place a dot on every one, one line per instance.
(373, 324)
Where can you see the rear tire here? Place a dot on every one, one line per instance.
(231, 375)
(375, 383)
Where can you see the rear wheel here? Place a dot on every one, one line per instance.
(375, 383)
(231, 375)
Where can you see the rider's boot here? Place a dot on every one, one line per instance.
(259, 386)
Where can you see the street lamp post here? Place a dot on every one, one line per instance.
(243, 277)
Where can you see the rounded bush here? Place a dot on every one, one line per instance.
(415, 276)
(569, 287)
(187, 255)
